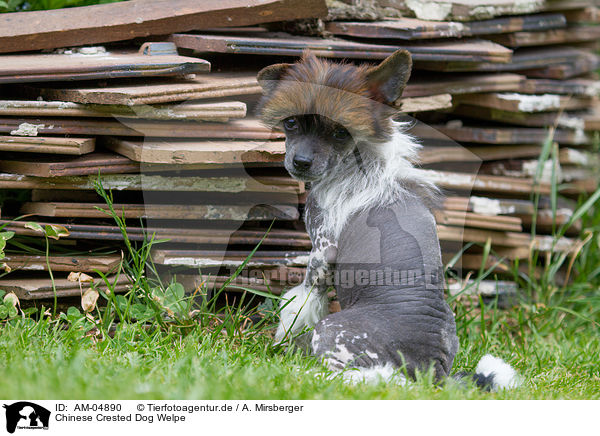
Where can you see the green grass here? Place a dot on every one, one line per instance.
(43, 361)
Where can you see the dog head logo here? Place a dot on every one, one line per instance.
(26, 415)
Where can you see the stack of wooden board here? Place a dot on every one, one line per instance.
(171, 129)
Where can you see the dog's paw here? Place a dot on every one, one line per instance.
(300, 308)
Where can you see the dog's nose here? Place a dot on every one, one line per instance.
(302, 162)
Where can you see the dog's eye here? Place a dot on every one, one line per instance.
(341, 134)
(290, 124)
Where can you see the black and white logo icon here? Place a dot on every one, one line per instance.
(26, 415)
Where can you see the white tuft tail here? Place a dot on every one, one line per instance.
(499, 374)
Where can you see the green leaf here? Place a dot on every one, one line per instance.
(12, 311)
(34, 226)
(3, 311)
(141, 312)
(55, 231)
(121, 303)
(2, 293)
(6, 235)
(73, 311)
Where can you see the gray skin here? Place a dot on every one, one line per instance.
(389, 282)
(403, 320)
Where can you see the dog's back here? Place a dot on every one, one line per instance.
(389, 282)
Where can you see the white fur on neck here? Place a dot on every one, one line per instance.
(348, 188)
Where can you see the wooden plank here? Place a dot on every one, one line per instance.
(79, 263)
(485, 183)
(432, 154)
(573, 34)
(490, 206)
(515, 102)
(565, 120)
(43, 288)
(21, 68)
(571, 156)
(469, 219)
(232, 259)
(214, 85)
(213, 282)
(424, 104)
(528, 168)
(430, 84)
(586, 63)
(91, 164)
(522, 60)
(25, 144)
(591, 121)
(209, 212)
(413, 28)
(205, 152)
(589, 14)
(577, 87)
(195, 235)
(468, 10)
(37, 30)
(282, 238)
(502, 135)
(239, 129)
(158, 183)
(221, 112)
(288, 45)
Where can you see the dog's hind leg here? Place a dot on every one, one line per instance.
(301, 307)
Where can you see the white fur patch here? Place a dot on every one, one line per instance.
(505, 377)
(305, 309)
(348, 188)
(381, 373)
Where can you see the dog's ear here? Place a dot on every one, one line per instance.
(269, 76)
(388, 79)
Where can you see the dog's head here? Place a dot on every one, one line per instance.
(326, 109)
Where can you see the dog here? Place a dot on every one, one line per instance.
(368, 214)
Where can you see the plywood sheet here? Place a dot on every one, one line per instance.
(37, 30)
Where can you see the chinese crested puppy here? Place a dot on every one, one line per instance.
(368, 216)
